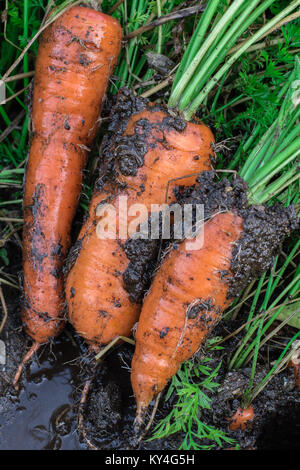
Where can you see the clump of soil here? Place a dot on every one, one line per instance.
(279, 398)
(124, 154)
(110, 409)
(264, 227)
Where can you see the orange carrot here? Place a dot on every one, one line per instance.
(169, 332)
(153, 148)
(193, 287)
(76, 56)
(241, 418)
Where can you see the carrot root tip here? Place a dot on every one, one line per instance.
(139, 419)
(241, 419)
(81, 428)
(34, 348)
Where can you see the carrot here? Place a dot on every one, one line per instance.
(153, 148)
(241, 418)
(192, 288)
(76, 56)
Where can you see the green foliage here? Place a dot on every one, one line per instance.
(192, 385)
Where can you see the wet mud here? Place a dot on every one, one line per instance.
(264, 227)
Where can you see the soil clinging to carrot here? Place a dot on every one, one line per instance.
(264, 229)
(125, 153)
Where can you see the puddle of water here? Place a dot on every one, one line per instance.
(42, 416)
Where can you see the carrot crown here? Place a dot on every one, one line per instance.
(210, 53)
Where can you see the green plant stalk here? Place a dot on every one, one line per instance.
(215, 34)
(159, 42)
(250, 328)
(11, 156)
(197, 38)
(6, 173)
(278, 138)
(279, 147)
(276, 165)
(244, 147)
(257, 341)
(16, 201)
(246, 353)
(292, 130)
(253, 367)
(188, 113)
(25, 33)
(24, 132)
(217, 95)
(219, 50)
(285, 265)
(274, 189)
(256, 153)
(262, 150)
(255, 299)
(285, 321)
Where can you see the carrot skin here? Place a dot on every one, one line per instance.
(76, 56)
(241, 418)
(166, 336)
(99, 306)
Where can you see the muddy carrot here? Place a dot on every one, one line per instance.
(197, 67)
(76, 57)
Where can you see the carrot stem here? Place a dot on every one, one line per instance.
(214, 35)
(194, 44)
(194, 105)
(218, 51)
